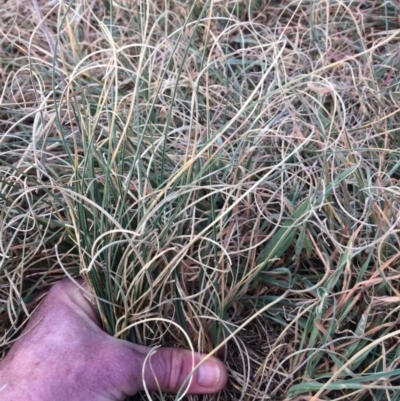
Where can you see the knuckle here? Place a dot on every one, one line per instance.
(176, 370)
(57, 289)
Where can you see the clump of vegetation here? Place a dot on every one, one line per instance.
(231, 166)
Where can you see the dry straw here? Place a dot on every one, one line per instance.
(224, 169)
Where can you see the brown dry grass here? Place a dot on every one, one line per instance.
(230, 163)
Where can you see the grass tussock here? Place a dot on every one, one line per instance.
(229, 166)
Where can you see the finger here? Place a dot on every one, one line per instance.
(166, 370)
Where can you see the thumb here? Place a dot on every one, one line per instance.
(165, 369)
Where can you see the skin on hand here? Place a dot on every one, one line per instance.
(64, 355)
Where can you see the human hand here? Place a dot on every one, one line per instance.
(64, 355)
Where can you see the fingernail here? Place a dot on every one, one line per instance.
(209, 374)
